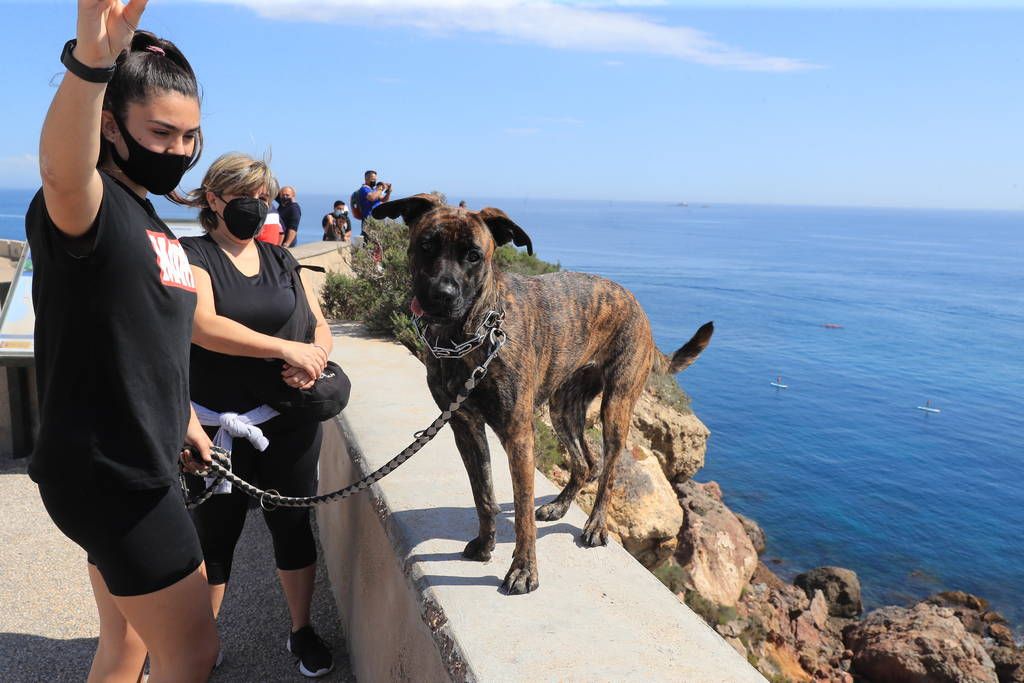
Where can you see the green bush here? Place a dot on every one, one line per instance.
(711, 612)
(547, 449)
(673, 576)
(668, 391)
(511, 260)
(379, 294)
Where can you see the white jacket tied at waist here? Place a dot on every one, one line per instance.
(232, 426)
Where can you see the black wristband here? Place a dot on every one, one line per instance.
(86, 73)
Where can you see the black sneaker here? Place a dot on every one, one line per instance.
(314, 657)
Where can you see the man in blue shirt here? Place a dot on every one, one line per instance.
(371, 194)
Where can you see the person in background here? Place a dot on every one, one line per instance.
(371, 194)
(246, 294)
(272, 232)
(337, 225)
(291, 214)
(462, 204)
(114, 301)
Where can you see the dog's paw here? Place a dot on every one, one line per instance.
(479, 549)
(595, 533)
(521, 578)
(552, 511)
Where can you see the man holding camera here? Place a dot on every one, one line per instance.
(371, 194)
(336, 224)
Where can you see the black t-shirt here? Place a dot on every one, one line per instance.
(112, 332)
(291, 214)
(262, 303)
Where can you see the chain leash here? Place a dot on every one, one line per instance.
(271, 499)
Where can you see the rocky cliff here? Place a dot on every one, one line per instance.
(812, 629)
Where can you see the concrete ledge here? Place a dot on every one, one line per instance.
(414, 609)
(336, 257)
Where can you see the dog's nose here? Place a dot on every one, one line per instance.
(446, 291)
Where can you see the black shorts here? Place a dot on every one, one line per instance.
(140, 541)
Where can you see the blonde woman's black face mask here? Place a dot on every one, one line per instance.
(244, 216)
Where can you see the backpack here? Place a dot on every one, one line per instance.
(355, 209)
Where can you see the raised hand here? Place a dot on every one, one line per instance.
(105, 29)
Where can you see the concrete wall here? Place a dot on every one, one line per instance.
(414, 609)
(336, 257)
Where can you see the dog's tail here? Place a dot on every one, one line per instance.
(684, 357)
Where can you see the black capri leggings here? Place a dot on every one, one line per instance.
(289, 465)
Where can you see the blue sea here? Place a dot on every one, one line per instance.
(840, 468)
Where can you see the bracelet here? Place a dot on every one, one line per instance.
(322, 349)
(86, 73)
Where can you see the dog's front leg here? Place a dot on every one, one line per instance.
(522, 576)
(476, 456)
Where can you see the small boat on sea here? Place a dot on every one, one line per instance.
(778, 383)
(927, 407)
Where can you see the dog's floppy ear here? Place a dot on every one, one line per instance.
(504, 230)
(409, 208)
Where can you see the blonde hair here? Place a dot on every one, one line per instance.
(233, 173)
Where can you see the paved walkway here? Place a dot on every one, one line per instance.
(48, 623)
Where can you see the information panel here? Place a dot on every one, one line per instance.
(18, 319)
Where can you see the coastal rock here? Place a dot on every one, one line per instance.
(790, 635)
(754, 532)
(643, 512)
(971, 610)
(713, 546)
(1009, 662)
(840, 586)
(925, 644)
(1001, 635)
(677, 438)
(766, 576)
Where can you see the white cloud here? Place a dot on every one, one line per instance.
(587, 27)
(19, 170)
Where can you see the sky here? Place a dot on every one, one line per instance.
(904, 103)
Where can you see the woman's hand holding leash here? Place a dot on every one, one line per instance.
(105, 29)
(195, 456)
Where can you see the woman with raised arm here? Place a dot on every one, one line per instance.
(114, 299)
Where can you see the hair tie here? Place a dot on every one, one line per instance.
(157, 49)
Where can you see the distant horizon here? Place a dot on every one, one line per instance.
(454, 197)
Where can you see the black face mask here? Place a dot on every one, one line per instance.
(244, 216)
(158, 172)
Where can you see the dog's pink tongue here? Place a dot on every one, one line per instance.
(415, 307)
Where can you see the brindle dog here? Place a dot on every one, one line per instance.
(571, 337)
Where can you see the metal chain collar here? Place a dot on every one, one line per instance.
(271, 499)
(492, 323)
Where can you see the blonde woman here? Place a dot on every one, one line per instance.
(246, 293)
